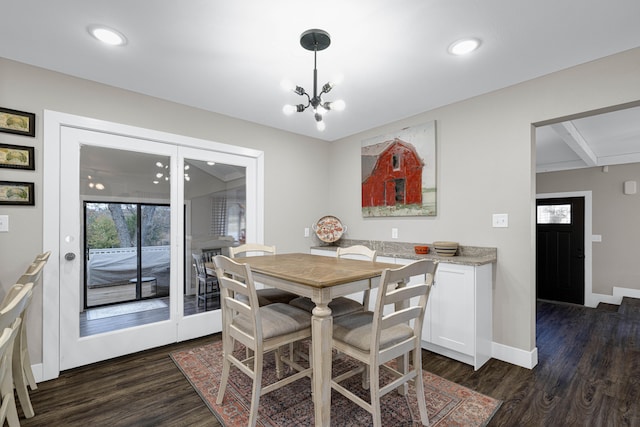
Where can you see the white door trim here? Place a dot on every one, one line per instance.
(53, 122)
(589, 299)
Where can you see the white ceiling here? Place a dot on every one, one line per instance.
(600, 140)
(229, 57)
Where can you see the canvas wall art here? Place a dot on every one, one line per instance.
(399, 173)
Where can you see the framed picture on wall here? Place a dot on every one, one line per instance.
(17, 122)
(16, 157)
(16, 193)
(399, 173)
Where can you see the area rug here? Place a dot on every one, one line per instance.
(126, 308)
(448, 404)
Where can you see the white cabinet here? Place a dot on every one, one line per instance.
(459, 318)
(458, 322)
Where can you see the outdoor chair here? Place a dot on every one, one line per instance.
(207, 285)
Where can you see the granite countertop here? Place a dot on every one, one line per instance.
(466, 255)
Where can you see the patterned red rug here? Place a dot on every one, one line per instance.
(448, 404)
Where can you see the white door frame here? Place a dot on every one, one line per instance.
(53, 122)
(590, 299)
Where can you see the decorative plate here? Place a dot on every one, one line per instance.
(329, 229)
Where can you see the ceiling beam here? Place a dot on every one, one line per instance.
(570, 135)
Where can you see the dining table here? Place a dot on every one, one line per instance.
(321, 278)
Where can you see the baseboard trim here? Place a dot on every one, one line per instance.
(616, 298)
(626, 292)
(515, 356)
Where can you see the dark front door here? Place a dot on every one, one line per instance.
(560, 249)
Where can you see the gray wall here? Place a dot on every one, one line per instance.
(296, 184)
(615, 218)
(485, 166)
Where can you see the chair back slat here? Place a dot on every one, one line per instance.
(33, 273)
(361, 250)
(405, 293)
(42, 257)
(248, 248)
(399, 317)
(14, 303)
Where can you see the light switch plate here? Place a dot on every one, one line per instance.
(500, 220)
(4, 223)
(394, 233)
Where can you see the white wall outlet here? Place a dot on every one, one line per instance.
(500, 220)
(394, 233)
(306, 232)
(4, 223)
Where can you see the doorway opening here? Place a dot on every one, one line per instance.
(560, 256)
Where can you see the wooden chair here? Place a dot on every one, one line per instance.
(343, 305)
(11, 316)
(266, 296)
(207, 285)
(262, 329)
(31, 275)
(8, 409)
(375, 338)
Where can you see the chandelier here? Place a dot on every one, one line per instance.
(314, 40)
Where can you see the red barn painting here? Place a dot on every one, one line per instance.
(391, 174)
(394, 174)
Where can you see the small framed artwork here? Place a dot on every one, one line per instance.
(17, 122)
(16, 157)
(16, 193)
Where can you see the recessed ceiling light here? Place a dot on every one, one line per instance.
(107, 35)
(463, 47)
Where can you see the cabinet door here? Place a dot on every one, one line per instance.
(452, 306)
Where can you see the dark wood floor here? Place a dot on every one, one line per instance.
(588, 374)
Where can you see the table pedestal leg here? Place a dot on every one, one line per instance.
(322, 331)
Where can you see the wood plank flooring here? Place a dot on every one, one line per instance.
(588, 374)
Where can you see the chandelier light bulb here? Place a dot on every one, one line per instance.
(159, 175)
(320, 125)
(289, 109)
(338, 105)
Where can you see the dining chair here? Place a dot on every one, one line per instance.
(343, 305)
(31, 275)
(11, 316)
(262, 329)
(207, 285)
(265, 295)
(8, 410)
(375, 338)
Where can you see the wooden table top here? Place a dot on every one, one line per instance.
(315, 270)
